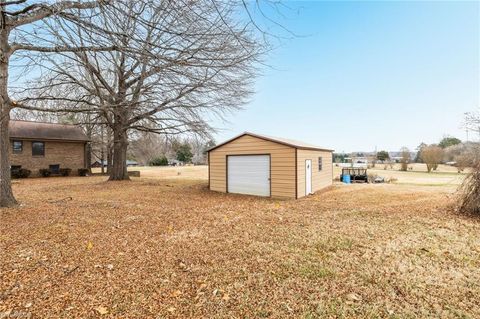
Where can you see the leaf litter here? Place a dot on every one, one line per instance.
(356, 252)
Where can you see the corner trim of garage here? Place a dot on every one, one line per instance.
(296, 173)
(226, 174)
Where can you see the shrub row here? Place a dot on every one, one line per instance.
(21, 173)
(45, 172)
(83, 171)
(159, 161)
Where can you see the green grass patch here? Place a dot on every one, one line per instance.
(334, 244)
(315, 271)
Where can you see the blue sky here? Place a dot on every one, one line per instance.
(368, 74)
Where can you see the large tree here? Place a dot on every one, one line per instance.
(432, 156)
(405, 158)
(418, 158)
(176, 64)
(383, 156)
(449, 141)
(20, 25)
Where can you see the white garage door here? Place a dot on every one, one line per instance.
(249, 174)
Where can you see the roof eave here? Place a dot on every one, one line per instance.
(314, 149)
(227, 141)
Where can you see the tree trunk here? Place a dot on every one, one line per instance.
(6, 195)
(102, 160)
(109, 159)
(88, 147)
(89, 157)
(120, 143)
(109, 152)
(102, 151)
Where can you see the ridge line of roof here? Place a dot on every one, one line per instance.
(278, 140)
(31, 130)
(42, 122)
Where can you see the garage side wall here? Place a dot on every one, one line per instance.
(320, 179)
(282, 159)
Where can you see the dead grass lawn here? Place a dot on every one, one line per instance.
(155, 248)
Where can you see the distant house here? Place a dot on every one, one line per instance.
(357, 162)
(96, 164)
(36, 145)
(132, 163)
(105, 164)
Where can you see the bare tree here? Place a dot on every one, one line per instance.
(17, 19)
(432, 156)
(176, 65)
(199, 147)
(472, 121)
(463, 155)
(405, 158)
(469, 200)
(148, 146)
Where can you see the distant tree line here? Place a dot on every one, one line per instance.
(157, 150)
(449, 150)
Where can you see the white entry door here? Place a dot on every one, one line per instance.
(248, 174)
(308, 177)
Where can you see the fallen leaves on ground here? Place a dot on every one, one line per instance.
(157, 248)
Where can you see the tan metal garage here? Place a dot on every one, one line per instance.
(268, 166)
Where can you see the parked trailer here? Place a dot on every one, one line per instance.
(357, 175)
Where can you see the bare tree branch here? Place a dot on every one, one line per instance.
(39, 11)
(17, 47)
(175, 65)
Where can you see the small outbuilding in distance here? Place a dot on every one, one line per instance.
(268, 166)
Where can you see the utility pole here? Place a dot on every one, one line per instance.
(466, 124)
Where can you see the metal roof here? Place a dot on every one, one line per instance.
(284, 141)
(46, 131)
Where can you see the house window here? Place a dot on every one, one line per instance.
(38, 148)
(320, 164)
(17, 147)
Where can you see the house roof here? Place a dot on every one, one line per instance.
(46, 131)
(279, 140)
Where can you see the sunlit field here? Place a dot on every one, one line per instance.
(169, 172)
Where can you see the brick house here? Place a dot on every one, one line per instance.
(36, 145)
